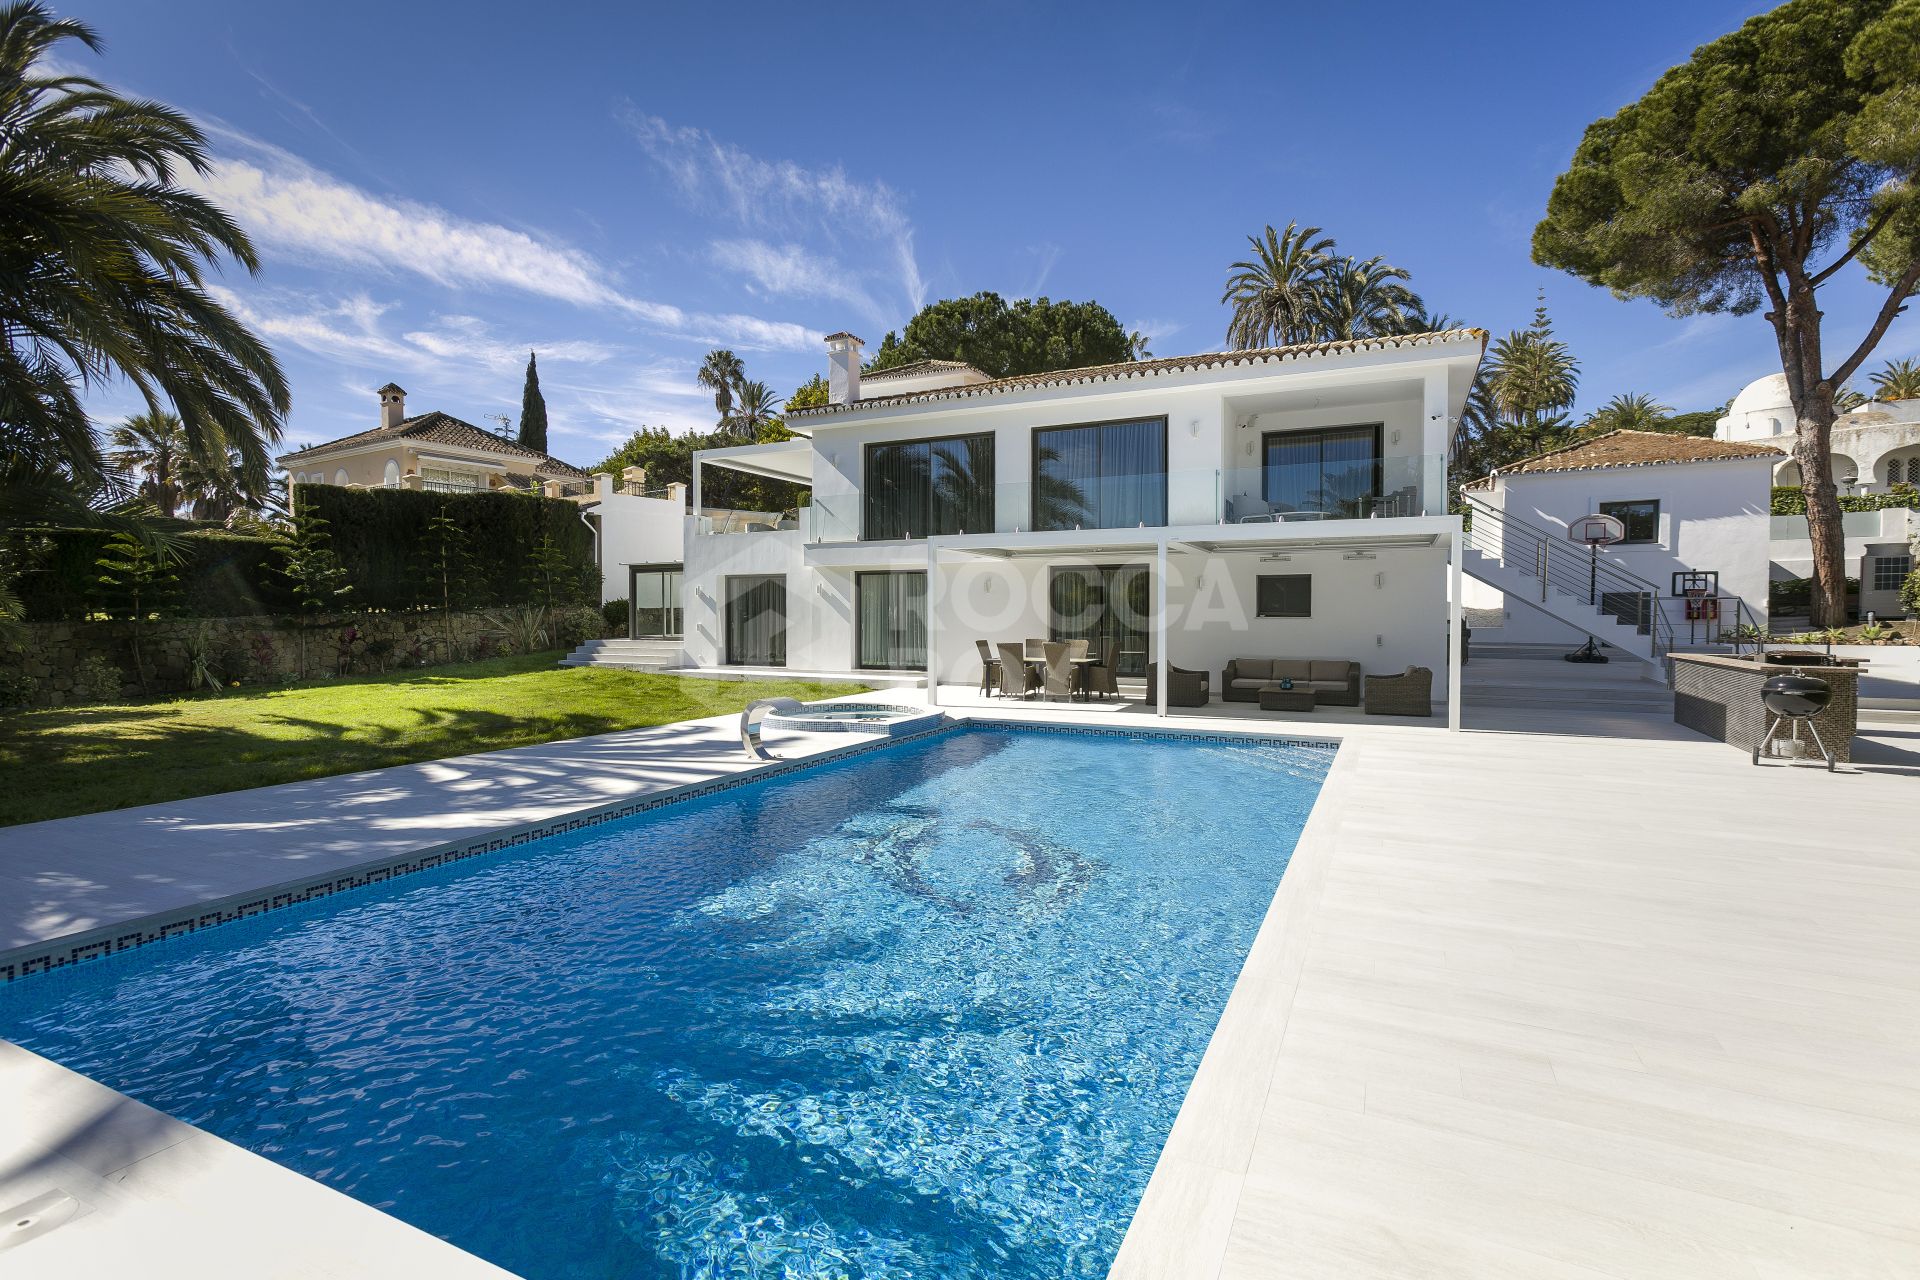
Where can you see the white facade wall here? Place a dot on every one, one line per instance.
(635, 531)
(1713, 517)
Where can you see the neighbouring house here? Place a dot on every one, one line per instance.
(434, 451)
(1694, 513)
(1289, 502)
(1874, 447)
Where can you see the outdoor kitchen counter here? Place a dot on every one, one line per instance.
(1720, 696)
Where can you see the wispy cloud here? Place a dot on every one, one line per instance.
(310, 216)
(1156, 332)
(781, 196)
(793, 271)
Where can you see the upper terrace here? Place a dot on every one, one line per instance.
(1332, 431)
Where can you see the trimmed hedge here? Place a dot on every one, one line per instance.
(1788, 500)
(224, 575)
(381, 537)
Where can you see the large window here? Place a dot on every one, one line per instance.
(1284, 595)
(1108, 475)
(1335, 471)
(1107, 605)
(890, 613)
(1889, 572)
(917, 488)
(757, 620)
(1641, 518)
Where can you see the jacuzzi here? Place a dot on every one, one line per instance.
(855, 717)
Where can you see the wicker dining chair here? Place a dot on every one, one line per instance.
(1059, 671)
(989, 668)
(1017, 676)
(1101, 677)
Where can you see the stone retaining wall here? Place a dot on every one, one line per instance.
(252, 651)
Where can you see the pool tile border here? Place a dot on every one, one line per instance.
(96, 944)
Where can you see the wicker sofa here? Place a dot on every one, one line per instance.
(1334, 681)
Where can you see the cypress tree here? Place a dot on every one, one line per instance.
(533, 410)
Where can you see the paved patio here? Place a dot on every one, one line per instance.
(1527, 1003)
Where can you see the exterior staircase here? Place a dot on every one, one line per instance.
(631, 655)
(1594, 595)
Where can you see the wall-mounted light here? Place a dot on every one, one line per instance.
(1193, 428)
(1276, 559)
(1359, 555)
(1394, 438)
(1379, 581)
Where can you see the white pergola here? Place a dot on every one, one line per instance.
(1331, 535)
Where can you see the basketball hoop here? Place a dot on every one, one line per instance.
(1597, 530)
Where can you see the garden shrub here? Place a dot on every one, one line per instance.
(614, 612)
(97, 680)
(576, 624)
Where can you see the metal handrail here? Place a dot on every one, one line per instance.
(1572, 571)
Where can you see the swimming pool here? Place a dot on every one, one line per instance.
(928, 1011)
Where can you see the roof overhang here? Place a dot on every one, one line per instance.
(1212, 539)
(790, 460)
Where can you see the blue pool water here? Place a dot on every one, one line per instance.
(925, 1012)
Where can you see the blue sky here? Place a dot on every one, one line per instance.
(438, 187)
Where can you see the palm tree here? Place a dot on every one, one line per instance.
(721, 373)
(755, 408)
(150, 449)
(1900, 380)
(1354, 299)
(1629, 411)
(101, 267)
(1274, 293)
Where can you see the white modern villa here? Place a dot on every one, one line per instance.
(1287, 503)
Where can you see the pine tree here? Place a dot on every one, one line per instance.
(533, 410)
(315, 574)
(448, 568)
(136, 585)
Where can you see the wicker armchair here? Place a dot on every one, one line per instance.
(1184, 688)
(1408, 694)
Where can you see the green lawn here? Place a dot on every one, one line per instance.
(82, 760)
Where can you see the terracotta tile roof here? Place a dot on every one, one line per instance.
(440, 428)
(919, 368)
(1633, 449)
(1149, 368)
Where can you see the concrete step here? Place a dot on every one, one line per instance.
(630, 655)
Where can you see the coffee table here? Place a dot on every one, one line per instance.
(1276, 699)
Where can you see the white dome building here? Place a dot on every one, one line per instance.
(1874, 446)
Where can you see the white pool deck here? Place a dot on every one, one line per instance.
(1529, 1002)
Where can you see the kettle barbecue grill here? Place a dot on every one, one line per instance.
(1792, 699)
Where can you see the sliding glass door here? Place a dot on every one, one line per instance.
(654, 590)
(918, 488)
(1334, 471)
(757, 620)
(890, 621)
(1105, 475)
(1108, 605)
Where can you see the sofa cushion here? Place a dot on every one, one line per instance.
(1292, 669)
(1251, 684)
(1331, 669)
(1251, 668)
(1320, 686)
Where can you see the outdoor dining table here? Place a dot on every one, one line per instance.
(1080, 668)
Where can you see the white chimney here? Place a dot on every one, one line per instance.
(843, 368)
(393, 405)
